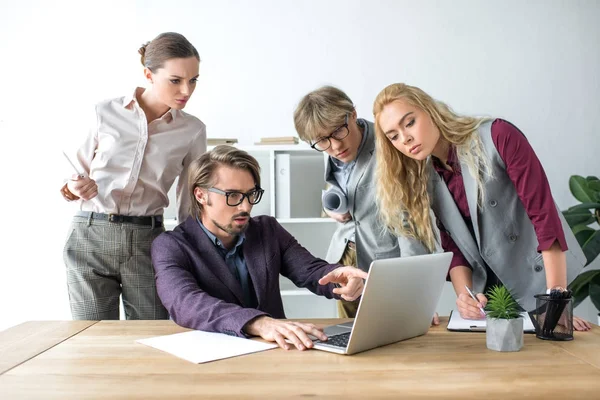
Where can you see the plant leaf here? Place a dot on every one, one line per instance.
(582, 234)
(501, 304)
(591, 178)
(594, 186)
(585, 206)
(578, 218)
(580, 189)
(595, 294)
(591, 248)
(581, 282)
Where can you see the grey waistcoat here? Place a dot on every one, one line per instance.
(505, 238)
(372, 240)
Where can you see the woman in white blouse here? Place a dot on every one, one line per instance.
(136, 147)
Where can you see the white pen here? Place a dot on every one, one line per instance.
(474, 298)
(81, 175)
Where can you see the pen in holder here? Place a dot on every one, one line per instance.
(554, 315)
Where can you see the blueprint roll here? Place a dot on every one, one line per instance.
(335, 200)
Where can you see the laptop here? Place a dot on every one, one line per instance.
(398, 303)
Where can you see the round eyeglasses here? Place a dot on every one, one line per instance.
(340, 133)
(235, 198)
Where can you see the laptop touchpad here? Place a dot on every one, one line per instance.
(337, 329)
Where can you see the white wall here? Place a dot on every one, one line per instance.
(535, 63)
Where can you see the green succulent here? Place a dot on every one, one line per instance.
(501, 304)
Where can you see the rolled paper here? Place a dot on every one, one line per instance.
(335, 200)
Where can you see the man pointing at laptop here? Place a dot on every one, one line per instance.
(219, 270)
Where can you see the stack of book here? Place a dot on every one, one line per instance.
(279, 140)
(218, 141)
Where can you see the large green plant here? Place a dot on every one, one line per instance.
(579, 218)
(501, 304)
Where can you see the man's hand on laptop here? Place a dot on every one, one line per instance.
(282, 332)
(350, 282)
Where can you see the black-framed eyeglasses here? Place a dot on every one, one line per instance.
(235, 198)
(340, 133)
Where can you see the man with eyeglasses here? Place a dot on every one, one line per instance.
(326, 119)
(219, 270)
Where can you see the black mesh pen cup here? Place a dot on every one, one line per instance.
(554, 317)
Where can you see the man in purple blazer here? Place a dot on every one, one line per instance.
(219, 270)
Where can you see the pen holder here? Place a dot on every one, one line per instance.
(554, 317)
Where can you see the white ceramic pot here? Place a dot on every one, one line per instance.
(504, 334)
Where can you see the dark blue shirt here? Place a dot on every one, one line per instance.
(234, 259)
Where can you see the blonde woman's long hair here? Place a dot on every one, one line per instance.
(403, 199)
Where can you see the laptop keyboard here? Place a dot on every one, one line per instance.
(340, 340)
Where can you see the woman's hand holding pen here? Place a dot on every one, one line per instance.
(82, 187)
(469, 308)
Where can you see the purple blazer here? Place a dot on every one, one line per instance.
(200, 292)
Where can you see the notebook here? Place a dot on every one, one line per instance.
(459, 324)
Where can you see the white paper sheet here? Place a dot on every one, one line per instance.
(457, 323)
(200, 347)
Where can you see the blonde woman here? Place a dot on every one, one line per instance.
(488, 191)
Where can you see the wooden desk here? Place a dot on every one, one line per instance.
(102, 360)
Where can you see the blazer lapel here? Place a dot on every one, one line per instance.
(451, 217)
(256, 262)
(472, 193)
(363, 160)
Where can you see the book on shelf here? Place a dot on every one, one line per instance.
(279, 140)
(218, 141)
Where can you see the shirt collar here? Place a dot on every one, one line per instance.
(130, 100)
(452, 160)
(215, 240)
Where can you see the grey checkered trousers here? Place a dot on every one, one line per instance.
(106, 259)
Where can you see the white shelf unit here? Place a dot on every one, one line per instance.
(304, 182)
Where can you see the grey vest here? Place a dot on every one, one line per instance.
(373, 241)
(505, 238)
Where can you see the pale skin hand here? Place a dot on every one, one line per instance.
(351, 284)
(555, 263)
(84, 188)
(581, 324)
(279, 331)
(350, 280)
(339, 217)
(468, 308)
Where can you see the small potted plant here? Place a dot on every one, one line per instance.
(504, 325)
